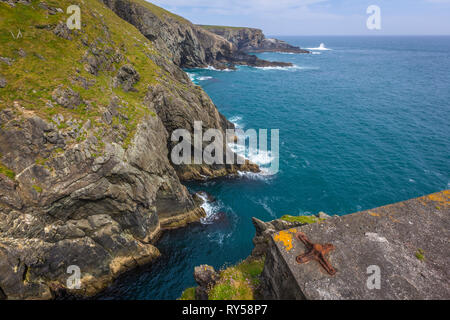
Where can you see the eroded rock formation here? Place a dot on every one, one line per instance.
(252, 40)
(188, 45)
(85, 123)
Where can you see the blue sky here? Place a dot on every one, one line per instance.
(318, 17)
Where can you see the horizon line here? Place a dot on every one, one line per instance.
(359, 35)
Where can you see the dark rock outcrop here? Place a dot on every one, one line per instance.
(206, 277)
(3, 82)
(187, 45)
(252, 40)
(85, 174)
(126, 78)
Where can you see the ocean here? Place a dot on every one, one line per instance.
(361, 125)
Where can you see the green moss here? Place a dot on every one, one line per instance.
(37, 188)
(420, 254)
(41, 161)
(188, 294)
(7, 172)
(238, 282)
(300, 219)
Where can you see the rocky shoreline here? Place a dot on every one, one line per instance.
(208, 279)
(188, 45)
(85, 174)
(252, 40)
(405, 241)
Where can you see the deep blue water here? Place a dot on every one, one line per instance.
(362, 125)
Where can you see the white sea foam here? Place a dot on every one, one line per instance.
(191, 76)
(219, 237)
(257, 156)
(320, 48)
(290, 68)
(196, 78)
(237, 121)
(215, 69)
(211, 209)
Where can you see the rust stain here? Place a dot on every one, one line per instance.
(393, 219)
(442, 197)
(374, 214)
(285, 237)
(315, 251)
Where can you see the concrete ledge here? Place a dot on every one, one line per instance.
(408, 241)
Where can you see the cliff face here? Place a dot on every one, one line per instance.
(187, 45)
(85, 121)
(252, 40)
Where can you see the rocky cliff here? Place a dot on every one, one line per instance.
(187, 45)
(252, 40)
(85, 121)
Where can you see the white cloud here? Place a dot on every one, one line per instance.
(240, 6)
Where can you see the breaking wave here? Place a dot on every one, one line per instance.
(320, 48)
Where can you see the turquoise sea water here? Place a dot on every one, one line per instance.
(362, 125)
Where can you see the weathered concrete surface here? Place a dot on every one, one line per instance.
(389, 237)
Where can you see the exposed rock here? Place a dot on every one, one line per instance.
(22, 53)
(77, 194)
(188, 45)
(51, 10)
(323, 215)
(126, 78)
(66, 97)
(13, 3)
(206, 277)
(61, 30)
(252, 40)
(7, 60)
(83, 82)
(3, 82)
(264, 232)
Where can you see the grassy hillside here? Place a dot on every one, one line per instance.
(40, 61)
(160, 12)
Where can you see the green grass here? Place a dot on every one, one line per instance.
(37, 188)
(7, 172)
(238, 282)
(300, 219)
(188, 294)
(420, 254)
(31, 81)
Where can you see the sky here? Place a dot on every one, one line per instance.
(318, 17)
